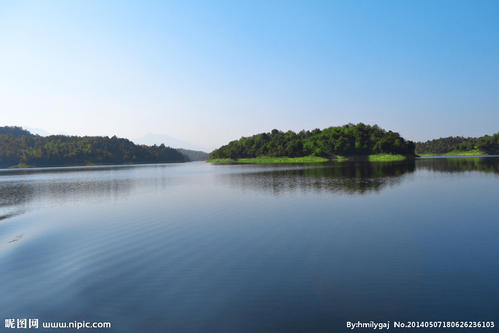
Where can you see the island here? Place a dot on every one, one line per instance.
(340, 143)
(21, 149)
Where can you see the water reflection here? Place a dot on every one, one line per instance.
(11, 214)
(72, 169)
(15, 196)
(20, 188)
(347, 177)
(454, 165)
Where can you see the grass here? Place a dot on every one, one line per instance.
(220, 160)
(306, 159)
(271, 160)
(339, 158)
(386, 158)
(474, 152)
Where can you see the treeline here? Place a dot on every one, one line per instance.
(21, 148)
(14, 131)
(347, 140)
(487, 144)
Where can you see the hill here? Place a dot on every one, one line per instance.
(14, 131)
(194, 155)
(487, 144)
(20, 148)
(318, 145)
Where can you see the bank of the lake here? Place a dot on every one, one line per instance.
(271, 160)
(388, 157)
(457, 153)
(311, 159)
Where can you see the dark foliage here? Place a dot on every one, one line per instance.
(14, 131)
(348, 140)
(60, 150)
(488, 144)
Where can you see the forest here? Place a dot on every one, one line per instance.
(487, 144)
(20, 148)
(347, 140)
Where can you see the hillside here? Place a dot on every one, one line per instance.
(20, 148)
(487, 144)
(14, 131)
(194, 155)
(333, 142)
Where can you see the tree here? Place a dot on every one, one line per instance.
(346, 140)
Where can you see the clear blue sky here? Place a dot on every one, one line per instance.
(212, 71)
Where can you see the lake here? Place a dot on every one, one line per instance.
(196, 247)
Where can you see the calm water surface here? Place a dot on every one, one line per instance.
(232, 248)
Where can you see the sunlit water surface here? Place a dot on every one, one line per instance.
(235, 248)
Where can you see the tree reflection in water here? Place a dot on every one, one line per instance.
(353, 177)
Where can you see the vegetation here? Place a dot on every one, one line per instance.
(19, 148)
(460, 146)
(221, 160)
(269, 160)
(308, 159)
(331, 143)
(386, 157)
(474, 152)
(14, 131)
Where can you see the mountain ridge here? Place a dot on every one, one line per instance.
(21, 148)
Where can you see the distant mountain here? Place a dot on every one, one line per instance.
(39, 131)
(20, 148)
(194, 155)
(157, 139)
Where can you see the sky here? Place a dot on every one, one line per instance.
(207, 72)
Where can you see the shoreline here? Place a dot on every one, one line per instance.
(456, 153)
(311, 159)
(317, 160)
